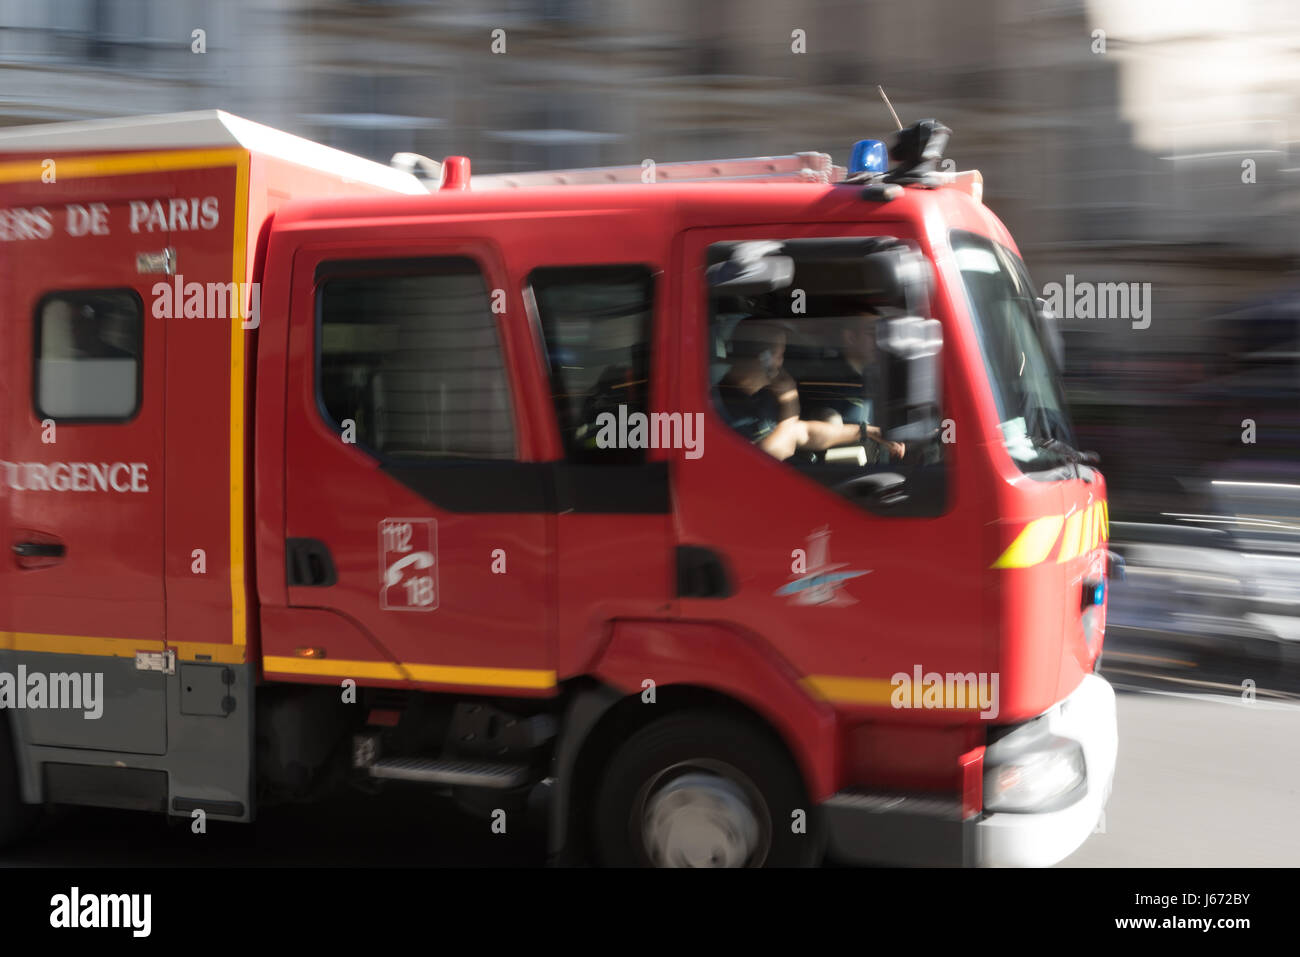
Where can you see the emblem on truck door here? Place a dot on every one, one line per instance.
(163, 261)
(823, 579)
(408, 564)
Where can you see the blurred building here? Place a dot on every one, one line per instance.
(1141, 142)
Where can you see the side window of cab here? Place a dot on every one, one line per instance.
(822, 355)
(596, 322)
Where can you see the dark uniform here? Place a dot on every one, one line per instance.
(754, 415)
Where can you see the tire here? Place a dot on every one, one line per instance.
(16, 818)
(702, 789)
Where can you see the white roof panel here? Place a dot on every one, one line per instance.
(203, 128)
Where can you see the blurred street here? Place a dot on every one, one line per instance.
(1201, 782)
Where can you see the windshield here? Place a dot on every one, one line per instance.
(1026, 387)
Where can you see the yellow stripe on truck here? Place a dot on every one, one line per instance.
(407, 671)
(238, 601)
(1033, 544)
(1071, 540)
(340, 668)
(850, 690)
(77, 644)
(118, 164)
(483, 677)
(117, 647)
(333, 667)
(1084, 530)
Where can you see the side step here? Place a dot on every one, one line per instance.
(481, 774)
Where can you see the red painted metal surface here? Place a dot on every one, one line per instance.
(584, 594)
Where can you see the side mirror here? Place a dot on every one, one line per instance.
(753, 269)
(910, 383)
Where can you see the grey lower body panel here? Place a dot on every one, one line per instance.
(195, 726)
(899, 829)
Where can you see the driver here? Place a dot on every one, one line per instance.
(761, 401)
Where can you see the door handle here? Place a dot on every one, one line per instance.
(39, 550)
(702, 573)
(310, 564)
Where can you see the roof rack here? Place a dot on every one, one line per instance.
(797, 167)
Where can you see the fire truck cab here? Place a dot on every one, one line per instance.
(713, 514)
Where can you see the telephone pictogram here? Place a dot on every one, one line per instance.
(395, 571)
(408, 564)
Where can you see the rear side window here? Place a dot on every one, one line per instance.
(88, 348)
(596, 320)
(411, 360)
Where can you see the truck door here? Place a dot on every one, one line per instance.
(418, 537)
(83, 475)
(844, 583)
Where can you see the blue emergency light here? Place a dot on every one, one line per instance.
(869, 156)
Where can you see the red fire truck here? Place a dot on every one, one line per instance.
(715, 514)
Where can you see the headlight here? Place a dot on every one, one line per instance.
(1029, 771)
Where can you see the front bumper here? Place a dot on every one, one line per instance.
(903, 830)
(928, 831)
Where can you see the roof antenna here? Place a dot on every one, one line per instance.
(897, 121)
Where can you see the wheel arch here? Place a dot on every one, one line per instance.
(694, 666)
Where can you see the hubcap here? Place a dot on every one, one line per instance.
(703, 818)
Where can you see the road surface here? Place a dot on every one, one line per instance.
(1201, 782)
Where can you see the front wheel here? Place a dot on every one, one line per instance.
(703, 790)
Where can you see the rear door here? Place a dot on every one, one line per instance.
(83, 474)
(418, 534)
